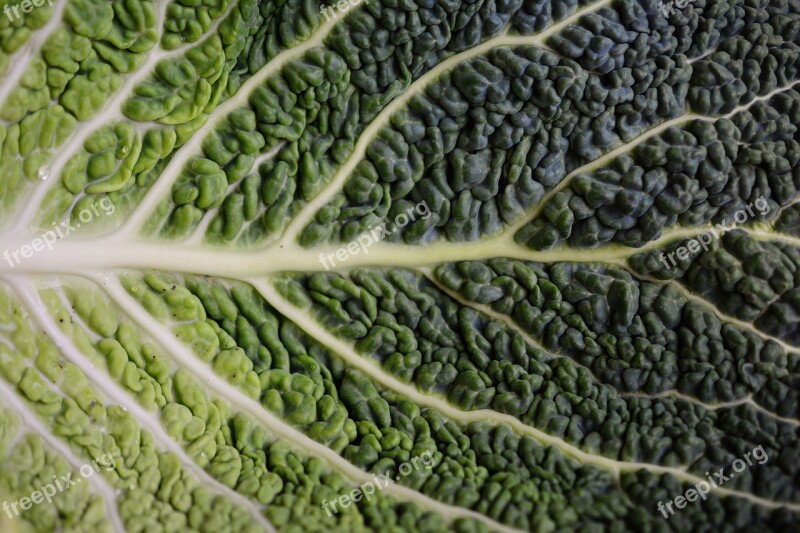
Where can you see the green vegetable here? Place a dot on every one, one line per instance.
(400, 265)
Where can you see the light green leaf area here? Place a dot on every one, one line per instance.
(399, 265)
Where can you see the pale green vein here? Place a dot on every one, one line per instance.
(374, 371)
(28, 418)
(746, 400)
(37, 309)
(170, 174)
(691, 296)
(629, 146)
(111, 112)
(513, 326)
(241, 402)
(384, 117)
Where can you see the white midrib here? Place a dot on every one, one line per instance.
(81, 255)
(35, 307)
(107, 253)
(371, 369)
(28, 419)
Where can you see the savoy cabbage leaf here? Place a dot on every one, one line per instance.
(261, 254)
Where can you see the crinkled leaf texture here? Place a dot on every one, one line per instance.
(260, 252)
